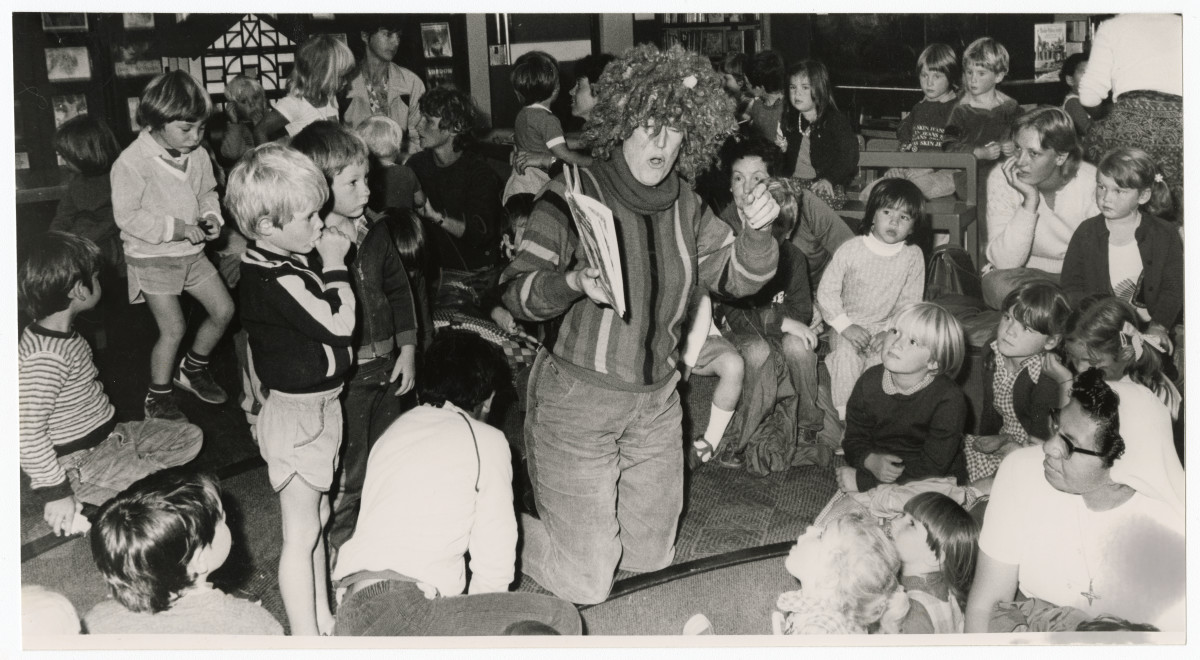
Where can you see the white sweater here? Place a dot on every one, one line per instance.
(1134, 51)
(1017, 238)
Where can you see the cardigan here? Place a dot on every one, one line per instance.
(1085, 268)
(1031, 401)
(834, 148)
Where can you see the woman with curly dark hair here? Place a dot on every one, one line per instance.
(603, 428)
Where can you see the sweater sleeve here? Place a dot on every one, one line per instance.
(857, 445)
(944, 438)
(493, 542)
(1010, 226)
(826, 225)
(398, 291)
(797, 298)
(840, 163)
(128, 187)
(1166, 306)
(41, 376)
(905, 130)
(1073, 278)
(327, 318)
(535, 283)
(957, 139)
(733, 266)
(64, 214)
(829, 291)
(914, 279)
(1097, 79)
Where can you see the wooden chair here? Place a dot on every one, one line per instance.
(949, 214)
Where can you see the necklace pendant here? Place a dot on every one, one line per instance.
(1090, 594)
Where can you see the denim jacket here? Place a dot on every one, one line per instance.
(387, 316)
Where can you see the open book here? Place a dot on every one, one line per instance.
(598, 233)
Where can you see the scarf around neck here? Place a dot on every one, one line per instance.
(639, 197)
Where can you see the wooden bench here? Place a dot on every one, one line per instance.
(956, 216)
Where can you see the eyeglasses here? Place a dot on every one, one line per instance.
(1055, 427)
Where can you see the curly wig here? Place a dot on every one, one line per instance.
(664, 88)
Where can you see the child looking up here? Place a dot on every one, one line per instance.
(1071, 73)
(981, 123)
(89, 148)
(536, 130)
(324, 67)
(1129, 251)
(392, 184)
(386, 336)
(165, 202)
(300, 323)
(869, 279)
(71, 446)
(821, 148)
(848, 584)
(156, 545)
(905, 418)
(1021, 391)
(937, 541)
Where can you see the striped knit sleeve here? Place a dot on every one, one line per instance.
(535, 283)
(42, 376)
(328, 316)
(733, 266)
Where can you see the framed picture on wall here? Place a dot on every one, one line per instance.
(138, 21)
(64, 22)
(435, 37)
(67, 107)
(68, 64)
(132, 59)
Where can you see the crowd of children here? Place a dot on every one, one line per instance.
(347, 256)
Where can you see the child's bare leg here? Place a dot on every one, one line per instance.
(214, 297)
(720, 358)
(168, 315)
(300, 509)
(320, 563)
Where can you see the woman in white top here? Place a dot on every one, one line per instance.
(1092, 519)
(1035, 200)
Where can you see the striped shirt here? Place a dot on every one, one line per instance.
(664, 254)
(61, 401)
(300, 322)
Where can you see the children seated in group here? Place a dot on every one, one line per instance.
(386, 336)
(166, 204)
(819, 145)
(324, 67)
(765, 78)
(71, 446)
(848, 581)
(1071, 73)
(905, 417)
(392, 184)
(1026, 381)
(301, 325)
(869, 279)
(937, 541)
(156, 544)
(1129, 251)
(88, 147)
(536, 130)
(981, 122)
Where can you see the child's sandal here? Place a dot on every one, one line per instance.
(701, 453)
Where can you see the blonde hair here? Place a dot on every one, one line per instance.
(988, 53)
(245, 100)
(936, 329)
(382, 135)
(273, 182)
(323, 65)
(862, 568)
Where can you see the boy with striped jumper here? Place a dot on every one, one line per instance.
(72, 447)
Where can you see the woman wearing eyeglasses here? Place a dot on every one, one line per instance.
(1092, 519)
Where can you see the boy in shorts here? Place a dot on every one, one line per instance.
(299, 312)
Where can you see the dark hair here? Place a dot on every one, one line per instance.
(372, 23)
(822, 89)
(765, 69)
(408, 236)
(88, 144)
(1070, 65)
(529, 628)
(739, 147)
(952, 534)
(1110, 623)
(55, 264)
(895, 193)
(592, 66)
(173, 96)
(519, 205)
(534, 77)
(941, 58)
(734, 64)
(331, 147)
(460, 367)
(1056, 131)
(457, 113)
(1102, 405)
(1099, 324)
(145, 537)
(1040, 306)
(1131, 167)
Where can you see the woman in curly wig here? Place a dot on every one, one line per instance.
(603, 428)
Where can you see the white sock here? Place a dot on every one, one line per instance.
(718, 421)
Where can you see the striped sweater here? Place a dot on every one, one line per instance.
(300, 322)
(664, 254)
(61, 402)
(153, 195)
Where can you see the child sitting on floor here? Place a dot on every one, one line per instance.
(937, 541)
(156, 545)
(906, 416)
(848, 584)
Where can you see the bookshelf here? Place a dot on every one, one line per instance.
(715, 34)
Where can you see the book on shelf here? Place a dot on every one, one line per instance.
(598, 234)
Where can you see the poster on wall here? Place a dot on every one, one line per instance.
(132, 59)
(435, 37)
(439, 76)
(64, 22)
(1049, 48)
(68, 64)
(68, 106)
(138, 21)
